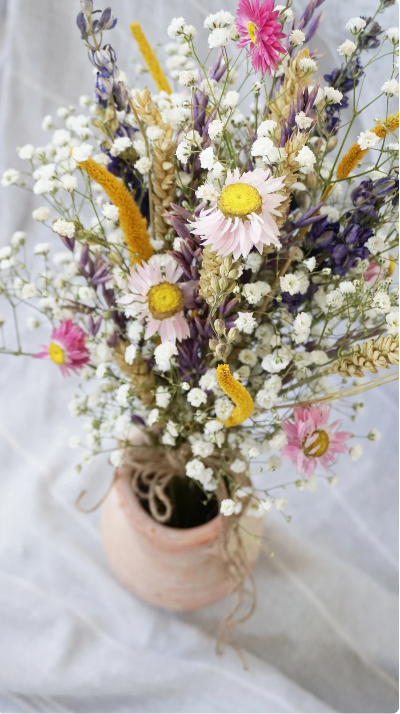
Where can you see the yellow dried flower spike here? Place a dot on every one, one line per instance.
(150, 59)
(130, 219)
(239, 395)
(355, 153)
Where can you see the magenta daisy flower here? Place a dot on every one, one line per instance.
(260, 33)
(158, 299)
(67, 348)
(312, 440)
(244, 215)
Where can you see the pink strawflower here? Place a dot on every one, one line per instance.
(372, 272)
(158, 299)
(260, 32)
(67, 348)
(312, 440)
(244, 215)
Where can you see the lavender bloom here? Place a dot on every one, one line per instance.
(304, 103)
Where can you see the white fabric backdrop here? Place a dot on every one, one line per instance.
(324, 637)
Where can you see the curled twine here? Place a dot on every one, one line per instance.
(153, 467)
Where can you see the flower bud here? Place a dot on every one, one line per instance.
(219, 327)
(232, 334)
(222, 351)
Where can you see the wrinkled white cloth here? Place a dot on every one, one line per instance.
(324, 636)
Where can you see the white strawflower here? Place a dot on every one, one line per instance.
(280, 504)
(47, 123)
(18, 238)
(41, 214)
(122, 395)
(306, 159)
(163, 354)
(368, 140)
(392, 321)
(207, 158)
(154, 132)
(186, 78)
(29, 291)
(307, 64)
(279, 440)
(381, 302)
(301, 327)
(333, 96)
(355, 452)
(266, 128)
(215, 128)
(238, 466)
(290, 283)
(64, 228)
(26, 152)
(175, 27)
(82, 152)
(117, 457)
(334, 299)
(120, 144)
(42, 248)
(70, 183)
(196, 469)
(218, 37)
(393, 35)
(196, 397)
(10, 176)
(391, 88)
(253, 262)
(33, 323)
(221, 18)
(208, 192)
(330, 212)
(153, 417)
(248, 357)
(303, 121)
(74, 441)
(110, 211)
(223, 408)
(274, 463)
(347, 48)
(230, 507)
(245, 322)
(200, 447)
(209, 380)
(276, 361)
(355, 25)
(43, 186)
(143, 165)
(254, 292)
(130, 354)
(297, 38)
(231, 100)
(347, 287)
(310, 264)
(183, 151)
(163, 397)
(374, 435)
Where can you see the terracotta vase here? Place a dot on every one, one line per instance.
(176, 569)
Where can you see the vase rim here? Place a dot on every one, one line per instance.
(170, 538)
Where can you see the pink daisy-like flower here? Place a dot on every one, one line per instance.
(243, 217)
(67, 348)
(158, 299)
(312, 440)
(260, 33)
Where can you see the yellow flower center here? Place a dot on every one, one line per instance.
(164, 300)
(251, 29)
(56, 353)
(240, 199)
(319, 446)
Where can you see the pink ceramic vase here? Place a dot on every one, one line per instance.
(177, 569)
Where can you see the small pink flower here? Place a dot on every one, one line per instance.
(372, 272)
(67, 348)
(312, 440)
(260, 32)
(158, 299)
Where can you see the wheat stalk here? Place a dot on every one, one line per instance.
(369, 357)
